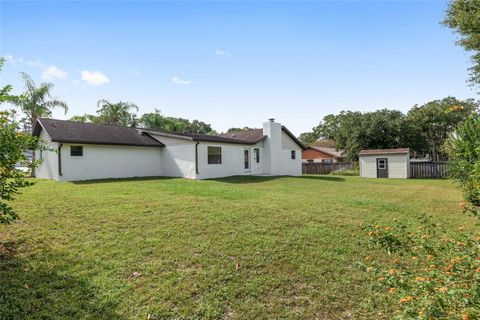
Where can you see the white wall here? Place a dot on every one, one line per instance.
(178, 157)
(278, 147)
(48, 168)
(398, 165)
(232, 160)
(104, 161)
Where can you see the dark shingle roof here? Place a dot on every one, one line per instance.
(246, 137)
(385, 151)
(89, 133)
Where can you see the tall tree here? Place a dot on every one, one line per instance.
(37, 102)
(156, 120)
(463, 16)
(436, 119)
(117, 114)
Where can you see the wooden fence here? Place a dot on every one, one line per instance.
(324, 168)
(428, 169)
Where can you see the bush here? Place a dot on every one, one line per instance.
(463, 149)
(427, 274)
(346, 172)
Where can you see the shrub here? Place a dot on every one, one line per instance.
(428, 274)
(346, 172)
(463, 149)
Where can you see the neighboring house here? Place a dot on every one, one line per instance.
(385, 163)
(321, 154)
(85, 151)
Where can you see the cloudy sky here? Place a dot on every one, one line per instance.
(235, 64)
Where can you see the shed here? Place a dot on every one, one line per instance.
(385, 163)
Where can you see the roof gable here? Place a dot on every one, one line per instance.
(384, 151)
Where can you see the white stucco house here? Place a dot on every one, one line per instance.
(385, 163)
(86, 151)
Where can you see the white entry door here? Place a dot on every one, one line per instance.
(246, 161)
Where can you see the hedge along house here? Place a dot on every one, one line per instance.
(85, 151)
(385, 163)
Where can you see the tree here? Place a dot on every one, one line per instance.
(117, 114)
(84, 118)
(232, 130)
(13, 143)
(37, 102)
(156, 120)
(463, 147)
(463, 17)
(436, 119)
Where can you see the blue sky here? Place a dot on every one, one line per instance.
(235, 64)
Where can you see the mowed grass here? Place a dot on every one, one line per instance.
(234, 248)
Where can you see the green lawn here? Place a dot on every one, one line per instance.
(236, 248)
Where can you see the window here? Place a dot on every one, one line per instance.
(256, 155)
(76, 151)
(328, 161)
(382, 164)
(293, 154)
(214, 155)
(41, 155)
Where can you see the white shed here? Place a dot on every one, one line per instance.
(385, 163)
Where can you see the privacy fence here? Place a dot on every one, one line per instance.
(418, 169)
(428, 169)
(325, 168)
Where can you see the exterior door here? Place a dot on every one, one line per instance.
(382, 168)
(246, 155)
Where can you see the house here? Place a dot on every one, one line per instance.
(85, 151)
(385, 163)
(321, 154)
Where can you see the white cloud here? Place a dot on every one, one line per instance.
(35, 63)
(94, 78)
(177, 80)
(222, 53)
(53, 72)
(13, 60)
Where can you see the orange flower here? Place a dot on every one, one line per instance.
(462, 228)
(391, 272)
(432, 266)
(377, 227)
(478, 269)
(420, 279)
(369, 269)
(465, 316)
(396, 261)
(457, 259)
(448, 268)
(407, 299)
(461, 244)
(370, 233)
(368, 258)
(381, 279)
(388, 228)
(442, 289)
(414, 258)
(392, 290)
(429, 257)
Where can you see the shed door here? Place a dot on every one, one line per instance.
(382, 168)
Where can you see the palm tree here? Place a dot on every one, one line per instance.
(37, 102)
(117, 114)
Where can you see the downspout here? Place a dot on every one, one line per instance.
(196, 157)
(60, 159)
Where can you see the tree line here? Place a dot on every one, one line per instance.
(424, 128)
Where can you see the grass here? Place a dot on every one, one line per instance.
(234, 248)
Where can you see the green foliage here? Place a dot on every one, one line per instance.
(37, 102)
(5, 91)
(13, 143)
(463, 148)
(428, 274)
(117, 114)
(424, 129)
(346, 172)
(156, 120)
(463, 16)
(232, 130)
(436, 119)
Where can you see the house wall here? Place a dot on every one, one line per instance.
(104, 161)
(278, 148)
(398, 165)
(316, 156)
(178, 157)
(232, 160)
(48, 168)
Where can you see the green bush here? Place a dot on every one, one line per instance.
(355, 171)
(463, 149)
(426, 273)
